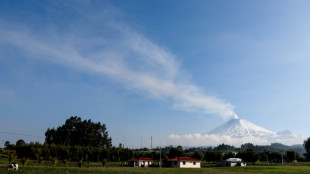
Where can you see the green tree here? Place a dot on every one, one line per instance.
(20, 143)
(246, 146)
(228, 155)
(11, 157)
(209, 155)
(224, 148)
(219, 156)
(291, 155)
(307, 148)
(7, 144)
(264, 156)
(24, 161)
(275, 157)
(249, 156)
(213, 156)
(198, 155)
(76, 132)
(176, 152)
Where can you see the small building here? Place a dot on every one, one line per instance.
(231, 162)
(183, 162)
(143, 162)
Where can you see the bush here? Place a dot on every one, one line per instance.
(80, 163)
(104, 162)
(24, 161)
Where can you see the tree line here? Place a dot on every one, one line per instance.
(47, 151)
(84, 140)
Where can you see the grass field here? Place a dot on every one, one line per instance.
(46, 167)
(132, 170)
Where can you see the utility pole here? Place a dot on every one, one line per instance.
(282, 156)
(141, 142)
(151, 143)
(160, 157)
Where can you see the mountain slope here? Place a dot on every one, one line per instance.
(241, 128)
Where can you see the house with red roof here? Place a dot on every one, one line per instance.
(182, 162)
(142, 162)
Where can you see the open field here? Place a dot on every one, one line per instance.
(47, 167)
(129, 170)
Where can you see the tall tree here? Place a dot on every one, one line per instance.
(198, 155)
(176, 152)
(249, 156)
(291, 155)
(78, 132)
(213, 156)
(20, 143)
(307, 148)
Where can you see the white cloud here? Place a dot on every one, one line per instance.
(127, 57)
(214, 140)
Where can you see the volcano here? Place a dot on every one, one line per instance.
(239, 128)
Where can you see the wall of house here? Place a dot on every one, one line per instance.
(189, 164)
(142, 163)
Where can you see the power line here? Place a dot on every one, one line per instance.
(15, 133)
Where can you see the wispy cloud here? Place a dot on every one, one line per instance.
(113, 48)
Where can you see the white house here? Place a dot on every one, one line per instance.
(233, 162)
(184, 162)
(142, 162)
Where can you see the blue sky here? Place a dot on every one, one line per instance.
(153, 68)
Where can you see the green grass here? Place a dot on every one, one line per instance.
(46, 167)
(132, 170)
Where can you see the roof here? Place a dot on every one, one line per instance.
(143, 159)
(183, 159)
(234, 159)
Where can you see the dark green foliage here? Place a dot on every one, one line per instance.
(246, 146)
(198, 155)
(20, 143)
(76, 132)
(7, 144)
(274, 147)
(209, 155)
(307, 148)
(224, 148)
(63, 153)
(275, 157)
(11, 157)
(24, 161)
(264, 156)
(228, 155)
(104, 162)
(80, 163)
(176, 152)
(291, 156)
(249, 156)
(219, 156)
(213, 156)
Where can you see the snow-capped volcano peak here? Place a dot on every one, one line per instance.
(237, 127)
(236, 116)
